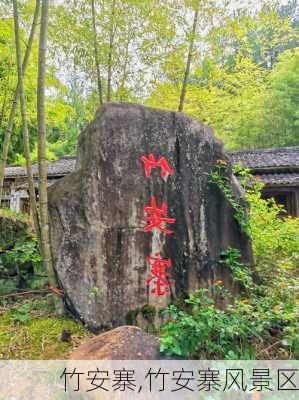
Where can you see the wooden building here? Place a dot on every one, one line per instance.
(278, 168)
(15, 194)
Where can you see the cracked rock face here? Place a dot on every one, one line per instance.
(97, 213)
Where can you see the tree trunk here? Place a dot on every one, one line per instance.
(3, 107)
(111, 44)
(96, 53)
(7, 133)
(42, 162)
(32, 198)
(189, 60)
(124, 75)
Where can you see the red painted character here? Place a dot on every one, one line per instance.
(159, 277)
(150, 162)
(157, 217)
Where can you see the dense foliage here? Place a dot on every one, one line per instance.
(20, 261)
(262, 321)
(29, 325)
(243, 78)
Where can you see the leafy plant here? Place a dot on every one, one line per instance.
(21, 314)
(264, 312)
(20, 261)
(206, 331)
(240, 272)
(220, 177)
(24, 261)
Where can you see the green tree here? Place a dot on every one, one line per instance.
(8, 130)
(225, 100)
(233, 85)
(278, 124)
(33, 204)
(260, 37)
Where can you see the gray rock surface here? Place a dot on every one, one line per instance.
(97, 213)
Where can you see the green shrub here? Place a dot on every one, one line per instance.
(13, 227)
(275, 237)
(20, 261)
(21, 314)
(221, 178)
(257, 316)
(264, 312)
(206, 331)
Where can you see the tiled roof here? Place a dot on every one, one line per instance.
(282, 179)
(275, 158)
(60, 167)
(14, 171)
(277, 166)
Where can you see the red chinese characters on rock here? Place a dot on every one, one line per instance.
(150, 162)
(157, 217)
(159, 274)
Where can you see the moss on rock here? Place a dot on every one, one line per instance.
(131, 317)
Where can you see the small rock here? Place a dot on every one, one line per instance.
(66, 335)
(123, 343)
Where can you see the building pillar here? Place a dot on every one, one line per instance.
(296, 208)
(15, 201)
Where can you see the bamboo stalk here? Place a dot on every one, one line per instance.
(8, 131)
(189, 60)
(96, 52)
(32, 197)
(42, 162)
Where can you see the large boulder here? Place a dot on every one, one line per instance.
(97, 215)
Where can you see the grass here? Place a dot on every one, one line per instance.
(8, 213)
(29, 329)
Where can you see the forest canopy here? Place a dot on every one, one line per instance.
(242, 78)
